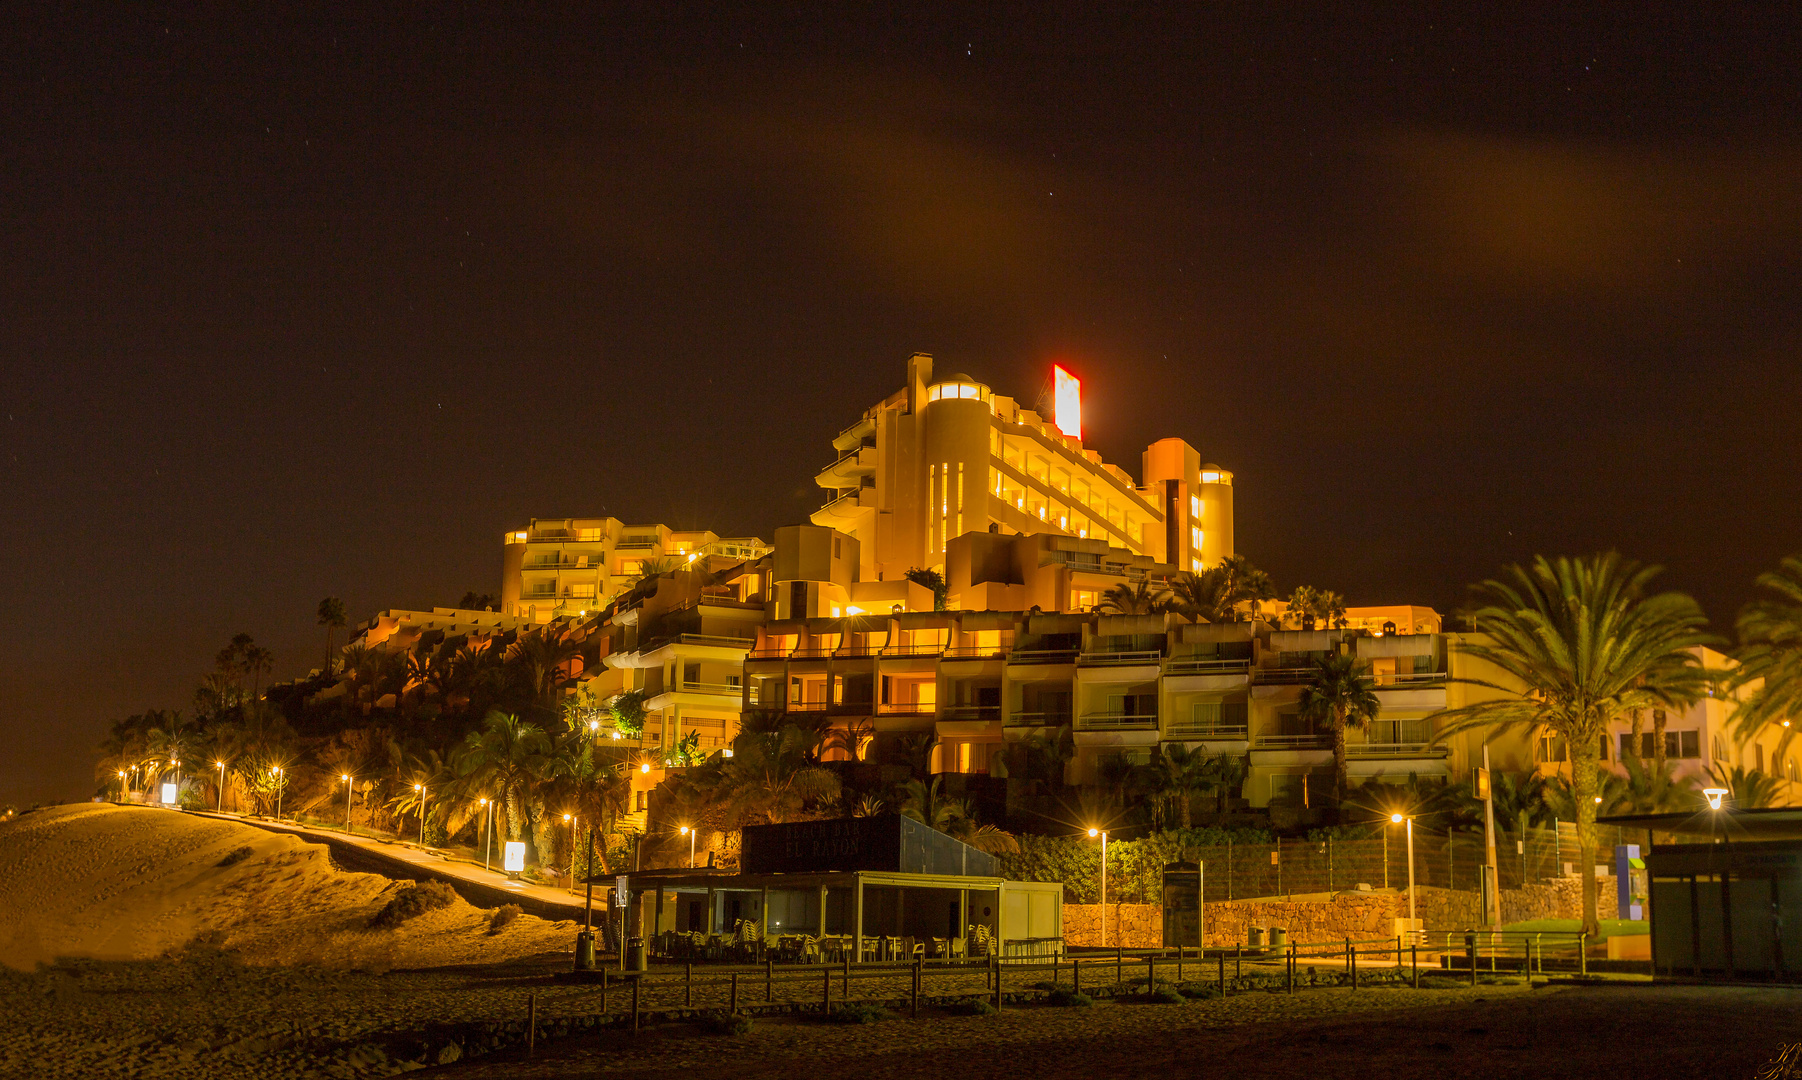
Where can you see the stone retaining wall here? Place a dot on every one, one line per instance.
(1335, 918)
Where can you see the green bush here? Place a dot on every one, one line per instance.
(1069, 997)
(721, 1022)
(412, 901)
(1164, 995)
(857, 1012)
(1198, 990)
(498, 920)
(973, 1007)
(1135, 867)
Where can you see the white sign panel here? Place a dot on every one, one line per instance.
(621, 895)
(515, 858)
(169, 795)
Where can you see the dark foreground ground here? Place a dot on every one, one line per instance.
(1627, 1030)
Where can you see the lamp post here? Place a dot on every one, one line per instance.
(1399, 819)
(121, 785)
(571, 822)
(690, 833)
(221, 765)
(176, 765)
(1103, 834)
(419, 789)
(279, 785)
(347, 795)
(488, 842)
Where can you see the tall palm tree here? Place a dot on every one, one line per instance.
(1770, 654)
(953, 817)
(1340, 696)
(1178, 775)
(1581, 642)
(257, 662)
(1139, 598)
(1216, 593)
(592, 784)
(541, 656)
(508, 758)
(1747, 789)
(772, 776)
(332, 617)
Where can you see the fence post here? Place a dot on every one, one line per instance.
(769, 980)
(913, 1005)
(635, 983)
(1151, 973)
(1292, 967)
(847, 994)
(1179, 964)
(1329, 864)
(1054, 960)
(997, 984)
(1583, 954)
(1119, 965)
(1470, 954)
(826, 989)
(732, 1005)
(1414, 961)
(1223, 973)
(1076, 974)
(531, 1023)
(1238, 951)
(604, 990)
(688, 985)
(1351, 962)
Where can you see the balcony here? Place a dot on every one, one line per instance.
(1293, 742)
(927, 649)
(1415, 681)
(1119, 659)
(849, 469)
(1112, 721)
(1284, 676)
(975, 653)
(1042, 656)
(565, 564)
(732, 690)
(1206, 667)
(1396, 750)
(635, 544)
(819, 652)
(970, 712)
(853, 651)
(778, 653)
(1207, 732)
(1037, 719)
(807, 706)
(907, 708)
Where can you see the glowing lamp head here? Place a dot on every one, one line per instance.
(218, 764)
(566, 818)
(1397, 818)
(344, 777)
(684, 830)
(481, 802)
(594, 725)
(1093, 833)
(1067, 396)
(1715, 794)
(418, 787)
(645, 768)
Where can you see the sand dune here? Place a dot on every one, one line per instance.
(105, 882)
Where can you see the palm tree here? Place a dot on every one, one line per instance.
(1140, 598)
(1339, 697)
(331, 616)
(1581, 642)
(1216, 593)
(771, 776)
(1304, 606)
(1748, 789)
(257, 662)
(953, 817)
(1178, 775)
(849, 739)
(507, 759)
(1770, 653)
(541, 657)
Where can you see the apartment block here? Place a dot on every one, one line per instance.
(572, 566)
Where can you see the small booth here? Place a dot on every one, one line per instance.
(882, 888)
(1183, 921)
(1729, 904)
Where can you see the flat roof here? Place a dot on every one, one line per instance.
(699, 880)
(1773, 823)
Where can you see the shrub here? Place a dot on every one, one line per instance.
(1198, 990)
(721, 1022)
(233, 859)
(413, 901)
(1164, 995)
(973, 1007)
(857, 1012)
(502, 915)
(1069, 997)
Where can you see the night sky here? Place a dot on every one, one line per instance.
(319, 305)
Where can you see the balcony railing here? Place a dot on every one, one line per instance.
(927, 649)
(1284, 676)
(635, 545)
(717, 689)
(807, 706)
(1207, 732)
(566, 565)
(1206, 667)
(1293, 742)
(1396, 750)
(850, 651)
(975, 652)
(1093, 659)
(907, 708)
(768, 654)
(1038, 719)
(970, 712)
(1042, 656)
(1111, 721)
(1411, 679)
(812, 653)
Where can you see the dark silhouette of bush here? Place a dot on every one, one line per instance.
(721, 1022)
(503, 915)
(413, 901)
(233, 859)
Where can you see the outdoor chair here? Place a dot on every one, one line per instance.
(941, 948)
(958, 949)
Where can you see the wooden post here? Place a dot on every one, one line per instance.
(1179, 964)
(732, 1004)
(1151, 973)
(1223, 973)
(1414, 961)
(826, 989)
(997, 967)
(1238, 953)
(1076, 974)
(604, 991)
(1398, 952)
(1054, 959)
(769, 980)
(688, 985)
(531, 1023)
(847, 994)
(1292, 967)
(913, 1005)
(1351, 958)
(635, 983)
(1119, 965)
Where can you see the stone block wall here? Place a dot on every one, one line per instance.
(1335, 918)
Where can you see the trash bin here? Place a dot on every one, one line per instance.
(636, 952)
(585, 951)
(1279, 937)
(1254, 937)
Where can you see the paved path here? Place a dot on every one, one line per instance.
(399, 858)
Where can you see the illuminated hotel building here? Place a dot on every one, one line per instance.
(571, 566)
(938, 460)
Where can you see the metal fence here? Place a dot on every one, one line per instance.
(1441, 860)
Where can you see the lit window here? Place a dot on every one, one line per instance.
(1210, 478)
(1195, 539)
(1195, 506)
(1195, 565)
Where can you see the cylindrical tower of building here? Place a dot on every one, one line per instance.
(955, 451)
(1216, 491)
(513, 558)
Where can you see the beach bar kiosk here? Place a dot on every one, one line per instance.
(868, 888)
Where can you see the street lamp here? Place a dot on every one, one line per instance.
(1715, 794)
(690, 833)
(488, 843)
(347, 796)
(1398, 819)
(121, 785)
(1093, 833)
(279, 785)
(419, 789)
(571, 822)
(221, 766)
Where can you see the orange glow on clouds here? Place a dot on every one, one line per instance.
(1068, 400)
